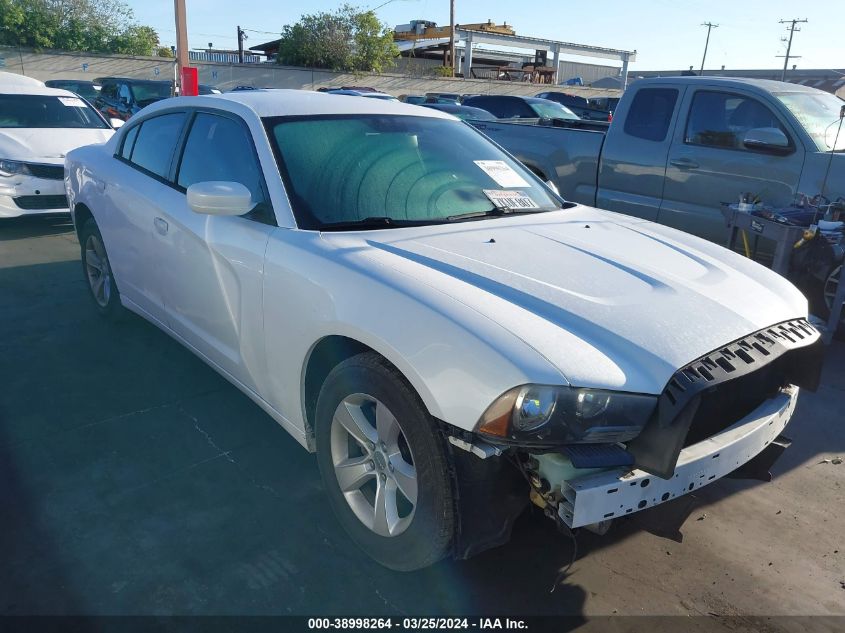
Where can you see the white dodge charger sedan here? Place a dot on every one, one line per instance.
(38, 126)
(448, 335)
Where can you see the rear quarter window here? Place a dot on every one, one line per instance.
(651, 113)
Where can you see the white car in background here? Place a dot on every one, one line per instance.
(447, 334)
(38, 127)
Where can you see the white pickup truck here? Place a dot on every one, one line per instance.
(680, 146)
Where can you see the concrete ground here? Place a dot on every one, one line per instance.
(135, 480)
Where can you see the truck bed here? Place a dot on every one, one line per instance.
(565, 156)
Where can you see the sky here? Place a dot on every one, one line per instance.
(666, 34)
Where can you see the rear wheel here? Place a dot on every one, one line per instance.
(98, 272)
(384, 464)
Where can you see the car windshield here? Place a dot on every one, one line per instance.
(47, 111)
(546, 109)
(818, 113)
(83, 89)
(150, 91)
(397, 170)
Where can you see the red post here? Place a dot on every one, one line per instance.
(189, 82)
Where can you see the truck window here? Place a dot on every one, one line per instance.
(650, 113)
(503, 107)
(721, 119)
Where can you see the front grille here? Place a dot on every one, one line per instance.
(717, 390)
(749, 355)
(723, 405)
(50, 172)
(32, 203)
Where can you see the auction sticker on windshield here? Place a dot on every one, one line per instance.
(510, 199)
(502, 173)
(72, 102)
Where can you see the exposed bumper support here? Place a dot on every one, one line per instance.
(610, 494)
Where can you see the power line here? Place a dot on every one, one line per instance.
(792, 29)
(709, 26)
(263, 32)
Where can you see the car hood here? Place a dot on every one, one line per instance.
(47, 145)
(611, 301)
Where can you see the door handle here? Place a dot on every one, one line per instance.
(161, 225)
(683, 163)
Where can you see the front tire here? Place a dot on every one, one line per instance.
(384, 464)
(98, 273)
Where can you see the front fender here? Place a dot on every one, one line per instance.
(456, 359)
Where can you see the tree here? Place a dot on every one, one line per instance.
(100, 26)
(347, 39)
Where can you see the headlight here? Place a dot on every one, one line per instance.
(12, 167)
(541, 415)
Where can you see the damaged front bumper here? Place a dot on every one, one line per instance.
(601, 496)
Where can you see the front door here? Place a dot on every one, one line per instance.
(708, 163)
(212, 266)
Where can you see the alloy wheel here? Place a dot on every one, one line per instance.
(98, 271)
(374, 465)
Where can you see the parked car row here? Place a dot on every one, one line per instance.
(452, 338)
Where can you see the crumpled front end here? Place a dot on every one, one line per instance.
(714, 416)
(34, 188)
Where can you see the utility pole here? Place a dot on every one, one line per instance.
(452, 35)
(181, 38)
(792, 30)
(709, 26)
(241, 37)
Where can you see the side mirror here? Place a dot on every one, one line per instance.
(219, 198)
(767, 139)
(116, 123)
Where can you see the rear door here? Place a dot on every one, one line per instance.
(133, 193)
(633, 161)
(708, 163)
(212, 267)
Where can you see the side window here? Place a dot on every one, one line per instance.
(109, 91)
(651, 113)
(506, 108)
(124, 94)
(156, 141)
(721, 119)
(129, 142)
(220, 148)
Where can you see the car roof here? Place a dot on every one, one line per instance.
(290, 102)
(100, 80)
(35, 89)
(68, 81)
(9, 80)
(760, 85)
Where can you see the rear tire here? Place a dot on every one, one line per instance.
(97, 272)
(374, 434)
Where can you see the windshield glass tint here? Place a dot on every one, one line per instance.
(43, 111)
(406, 168)
(546, 109)
(151, 90)
(818, 113)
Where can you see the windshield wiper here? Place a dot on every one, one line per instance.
(492, 213)
(376, 222)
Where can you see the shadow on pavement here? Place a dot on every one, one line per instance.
(34, 226)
